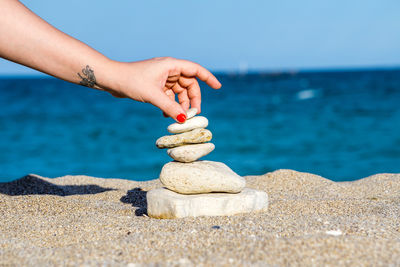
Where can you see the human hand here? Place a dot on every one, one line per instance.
(155, 81)
(158, 80)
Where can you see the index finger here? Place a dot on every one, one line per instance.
(191, 69)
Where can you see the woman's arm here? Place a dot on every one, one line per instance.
(27, 39)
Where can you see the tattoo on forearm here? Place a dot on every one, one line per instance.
(88, 78)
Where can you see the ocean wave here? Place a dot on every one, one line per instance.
(306, 94)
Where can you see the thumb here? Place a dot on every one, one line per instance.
(169, 107)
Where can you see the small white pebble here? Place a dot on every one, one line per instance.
(191, 113)
(184, 261)
(334, 232)
(188, 125)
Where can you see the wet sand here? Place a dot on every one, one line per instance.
(80, 220)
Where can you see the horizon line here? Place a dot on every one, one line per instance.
(249, 71)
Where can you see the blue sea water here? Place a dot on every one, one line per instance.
(341, 125)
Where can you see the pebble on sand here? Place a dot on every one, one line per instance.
(201, 177)
(196, 136)
(190, 153)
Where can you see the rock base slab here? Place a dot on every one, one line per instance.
(163, 203)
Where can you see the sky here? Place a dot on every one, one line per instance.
(229, 35)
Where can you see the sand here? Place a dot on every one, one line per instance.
(80, 220)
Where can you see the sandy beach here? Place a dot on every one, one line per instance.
(80, 220)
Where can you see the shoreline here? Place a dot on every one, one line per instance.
(310, 221)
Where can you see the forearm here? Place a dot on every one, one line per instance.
(27, 39)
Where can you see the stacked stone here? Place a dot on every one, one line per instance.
(189, 140)
(198, 188)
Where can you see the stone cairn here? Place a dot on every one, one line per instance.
(198, 188)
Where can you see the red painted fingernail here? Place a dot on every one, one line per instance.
(181, 118)
(165, 115)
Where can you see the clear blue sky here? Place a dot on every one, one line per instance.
(229, 35)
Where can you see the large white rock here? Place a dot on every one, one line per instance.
(190, 124)
(196, 136)
(165, 204)
(190, 153)
(200, 177)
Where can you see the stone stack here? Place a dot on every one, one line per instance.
(198, 188)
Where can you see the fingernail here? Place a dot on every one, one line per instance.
(181, 118)
(165, 115)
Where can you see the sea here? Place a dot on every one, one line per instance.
(343, 125)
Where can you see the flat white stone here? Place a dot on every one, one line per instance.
(191, 113)
(166, 204)
(196, 136)
(200, 177)
(190, 153)
(190, 124)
